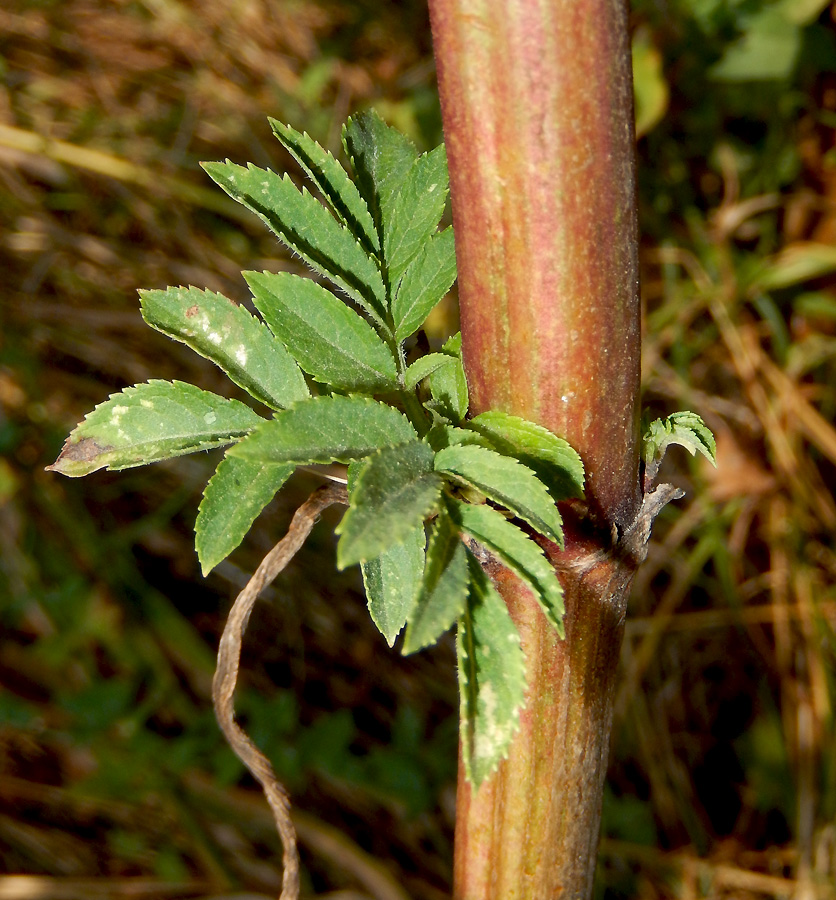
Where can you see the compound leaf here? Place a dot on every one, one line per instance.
(307, 227)
(150, 422)
(427, 279)
(326, 429)
(329, 340)
(505, 481)
(443, 593)
(216, 327)
(492, 678)
(391, 581)
(382, 158)
(684, 428)
(553, 460)
(395, 490)
(424, 366)
(235, 495)
(332, 180)
(418, 206)
(516, 551)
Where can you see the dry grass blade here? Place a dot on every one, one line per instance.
(226, 674)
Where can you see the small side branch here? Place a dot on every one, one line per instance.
(226, 674)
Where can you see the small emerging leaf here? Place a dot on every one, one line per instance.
(217, 328)
(150, 422)
(505, 481)
(392, 580)
(304, 225)
(395, 490)
(443, 593)
(326, 429)
(235, 495)
(516, 550)
(448, 385)
(684, 428)
(491, 677)
(427, 279)
(554, 461)
(328, 339)
(417, 209)
(333, 180)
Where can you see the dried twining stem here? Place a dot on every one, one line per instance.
(226, 674)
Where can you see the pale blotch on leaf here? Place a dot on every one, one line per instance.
(214, 337)
(210, 418)
(241, 355)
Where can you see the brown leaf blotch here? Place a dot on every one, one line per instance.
(192, 311)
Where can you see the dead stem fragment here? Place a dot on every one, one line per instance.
(226, 674)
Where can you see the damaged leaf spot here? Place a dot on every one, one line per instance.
(76, 458)
(192, 311)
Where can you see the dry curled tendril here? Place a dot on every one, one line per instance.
(226, 674)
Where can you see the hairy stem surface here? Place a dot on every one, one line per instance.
(537, 108)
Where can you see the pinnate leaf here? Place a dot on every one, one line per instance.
(553, 460)
(217, 328)
(304, 224)
(491, 677)
(326, 429)
(235, 495)
(418, 207)
(516, 551)
(329, 340)
(443, 592)
(505, 481)
(382, 158)
(395, 490)
(426, 280)
(684, 428)
(424, 366)
(391, 581)
(150, 422)
(332, 180)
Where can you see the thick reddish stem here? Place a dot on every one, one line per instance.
(536, 101)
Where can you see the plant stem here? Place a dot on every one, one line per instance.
(537, 108)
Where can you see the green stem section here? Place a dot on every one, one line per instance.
(536, 102)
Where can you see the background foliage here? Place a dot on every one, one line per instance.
(723, 776)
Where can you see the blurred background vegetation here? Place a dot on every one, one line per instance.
(114, 780)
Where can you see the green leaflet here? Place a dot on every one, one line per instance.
(217, 328)
(150, 422)
(441, 436)
(391, 581)
(235, 495)
(381, 157)
(505, 481)
(424, 366)
(516, 550)
(553, 460)
(492, 678)
(307, 227)
(427, 279)
(332, 180)
(448, 384)
(418, 206)
(396, 489)
(326, 429)
(328, 339)
(443, 593)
